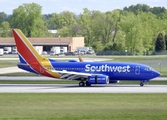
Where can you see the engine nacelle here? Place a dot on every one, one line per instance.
(98, 79)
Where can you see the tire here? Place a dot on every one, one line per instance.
(141, 84)
(81, 84)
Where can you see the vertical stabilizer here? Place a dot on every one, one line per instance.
(28, 55)
(25, 49)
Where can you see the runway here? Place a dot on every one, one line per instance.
(74, 88)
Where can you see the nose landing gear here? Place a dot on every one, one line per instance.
(141, 84)
(143, 81)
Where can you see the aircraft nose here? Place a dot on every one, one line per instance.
(156, 73)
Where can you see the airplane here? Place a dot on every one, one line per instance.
(87, 73)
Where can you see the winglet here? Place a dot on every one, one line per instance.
(80, 58)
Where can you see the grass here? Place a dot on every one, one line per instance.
(19, 74)
(85, 106)
(8, 63)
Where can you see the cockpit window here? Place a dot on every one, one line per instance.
(148, 69)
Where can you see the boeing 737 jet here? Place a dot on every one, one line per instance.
(86, 73)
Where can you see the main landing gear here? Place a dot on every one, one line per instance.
(141, 84)
(82, 84)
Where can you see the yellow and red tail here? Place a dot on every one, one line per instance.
(28, 55)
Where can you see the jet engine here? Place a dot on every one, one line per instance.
(98, 79)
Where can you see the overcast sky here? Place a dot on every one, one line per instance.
(76, 6)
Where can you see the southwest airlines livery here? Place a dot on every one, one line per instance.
(86, 73)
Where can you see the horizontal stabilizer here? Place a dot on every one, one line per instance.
(22, 64)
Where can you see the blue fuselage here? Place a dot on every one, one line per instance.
(115, 70)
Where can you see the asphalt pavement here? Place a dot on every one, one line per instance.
(68, 88)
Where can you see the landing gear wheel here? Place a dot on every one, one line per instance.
(87, 83)
(81, 84)
(141, 84)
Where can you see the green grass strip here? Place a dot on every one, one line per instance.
(82, 106)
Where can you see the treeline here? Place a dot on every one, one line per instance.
(136, 29)
(158, 11)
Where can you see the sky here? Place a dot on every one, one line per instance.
(76, 6)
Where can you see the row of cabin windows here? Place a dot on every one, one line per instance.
(69, 68)
(61, 68)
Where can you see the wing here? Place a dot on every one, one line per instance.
(69, 75)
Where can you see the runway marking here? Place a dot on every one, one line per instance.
(68, 88)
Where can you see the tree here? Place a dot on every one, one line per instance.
(99, 29)
(3, 17)
(66, 18)
(53, 22)
(149, 28)
(5, 29)
(84, 21)
(131, 25)
(64, 32)
(166, 41)
(74, 30)
(138, 7)
(28, 18)
(158, 11)
(160, 43)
